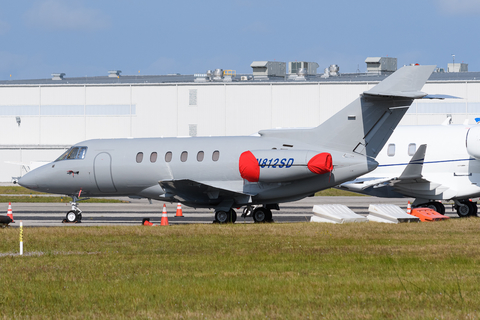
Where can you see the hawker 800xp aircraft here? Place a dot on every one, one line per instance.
(255, 172)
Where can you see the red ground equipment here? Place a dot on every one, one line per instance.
(426, 214)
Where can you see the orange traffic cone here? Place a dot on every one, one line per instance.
(409, 208)
(164, 221)
(179, 210)
(9, 212)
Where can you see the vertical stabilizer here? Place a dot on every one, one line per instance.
(365, 125)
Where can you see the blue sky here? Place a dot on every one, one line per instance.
(88, 38)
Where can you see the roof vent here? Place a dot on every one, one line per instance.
(333, 70)
(58, 76)
(114, 73)
(218, 74)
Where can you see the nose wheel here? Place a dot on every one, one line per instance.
(75, 214)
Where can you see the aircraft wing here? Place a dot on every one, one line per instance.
(412, 174)
(214, 192)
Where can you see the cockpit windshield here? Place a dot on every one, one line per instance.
(73, 153)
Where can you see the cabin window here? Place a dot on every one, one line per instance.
(139, 157)
(412, 148)
(184, 156)
(215, 155)
(391, 150)
(168, 156)
(200, 156)
(153, 157)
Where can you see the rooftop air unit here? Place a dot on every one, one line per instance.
(114, 73)
(380, 65)
(267, 69)
(458, 67)
(294, 66)
(58, 76)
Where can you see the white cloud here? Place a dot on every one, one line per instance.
(70, 15)
(4, 27)
(459, 7)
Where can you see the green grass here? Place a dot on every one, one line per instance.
(332, 192)
(244, 271)
(21, 194)
(17, 190)
(54, 199)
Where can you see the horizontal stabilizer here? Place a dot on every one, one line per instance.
(440, 96)
(404, 83)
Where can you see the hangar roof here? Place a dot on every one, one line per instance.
(177, 79)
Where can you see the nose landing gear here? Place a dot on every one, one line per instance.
(75, 214)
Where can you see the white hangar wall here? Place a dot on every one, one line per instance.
(53, 117)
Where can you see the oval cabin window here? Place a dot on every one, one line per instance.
(153, 157)
(200, 156)
(216, 155)
(139, 157)
(391, 150)
(412, 148)
(168, 156)
(184, 156)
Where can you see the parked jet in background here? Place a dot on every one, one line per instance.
(257, 172)
(429, 163)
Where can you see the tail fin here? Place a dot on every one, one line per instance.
(365, 125)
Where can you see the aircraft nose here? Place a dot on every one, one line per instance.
(29, 180)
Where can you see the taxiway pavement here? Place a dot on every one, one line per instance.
(133, 212)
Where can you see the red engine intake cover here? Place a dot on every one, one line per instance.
(248, 166)
(321, 163)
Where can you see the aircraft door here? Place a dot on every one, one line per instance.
(102, 169)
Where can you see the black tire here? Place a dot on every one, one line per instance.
(233, 216)
(222, 216)
(71, 216)
(260, 215)
(437, 206)
(269, 217)
(463, 210)
(475, 209)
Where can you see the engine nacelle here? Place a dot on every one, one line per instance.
(283, 165)
(473, 142)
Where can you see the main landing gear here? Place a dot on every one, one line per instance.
(225, 216)
(465, 208)
(259, 215)
(75, 214)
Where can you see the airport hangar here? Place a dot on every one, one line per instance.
(39, 119)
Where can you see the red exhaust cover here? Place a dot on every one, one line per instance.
(248, 166)
(321, 163)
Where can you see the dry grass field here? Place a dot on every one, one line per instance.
(244, 271)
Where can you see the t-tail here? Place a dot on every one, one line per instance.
(365, 125)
